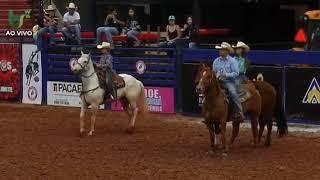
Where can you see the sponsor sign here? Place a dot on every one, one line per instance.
(64, 94)
(303, 93)
(312, 95)
(32, 74)
(10, 67)
(159, 99)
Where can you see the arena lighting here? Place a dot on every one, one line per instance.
(301, 36)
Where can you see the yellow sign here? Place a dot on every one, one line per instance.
(312, 95)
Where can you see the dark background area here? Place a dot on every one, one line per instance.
(261, 23)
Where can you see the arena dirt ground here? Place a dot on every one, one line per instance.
(38, 142)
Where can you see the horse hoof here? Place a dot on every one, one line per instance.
(130, 130)
(90, 133)
(224, 155)
(267, 144)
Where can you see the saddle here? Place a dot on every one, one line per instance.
(244, 94)
(118, 81)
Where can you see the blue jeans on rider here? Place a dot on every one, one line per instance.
(232, 89)
(108, 31)
(49, 29)
(72, 32)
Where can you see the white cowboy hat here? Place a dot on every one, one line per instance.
(104, 45)
(225, 45)
(51, 8)
(241, 44)
(71, 6)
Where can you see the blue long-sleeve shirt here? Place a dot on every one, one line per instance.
(226, 66)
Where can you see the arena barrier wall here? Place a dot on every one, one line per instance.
(168, 74)
(156, 70)
(297, 88)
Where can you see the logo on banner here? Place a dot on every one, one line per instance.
(141, 67)
(67, 87)
(6, 65)
(32, 68)
(32, 93)
(312, 95)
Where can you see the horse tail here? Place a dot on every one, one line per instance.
(281, 119)
(143, 106)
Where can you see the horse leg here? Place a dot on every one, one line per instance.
(211, 133)
(223, 136)
(82, 116)
(94, 109)
(262, 124)
(254, 128)
(235, 132)
(269, 126)
(133, 107)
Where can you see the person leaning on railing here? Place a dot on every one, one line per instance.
(173, 32)
(133, 27)
(72, 28)
(50, 23)
(190, 32)
(112, 26)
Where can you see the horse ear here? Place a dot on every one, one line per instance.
(82, 53)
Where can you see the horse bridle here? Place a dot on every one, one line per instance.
(83, 67)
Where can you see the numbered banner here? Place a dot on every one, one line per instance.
(159, 100)
(64, 94)
(10, 71)
(32, 74)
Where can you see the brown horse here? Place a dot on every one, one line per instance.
(270, 109)
(216, 109)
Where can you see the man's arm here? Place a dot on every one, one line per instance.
(234, 69)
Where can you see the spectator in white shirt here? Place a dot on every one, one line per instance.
(71, 20)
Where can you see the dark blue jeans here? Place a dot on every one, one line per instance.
(49, 29)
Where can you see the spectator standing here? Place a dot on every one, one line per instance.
(50, 23)
(173, 33)
(72, 28)
(133, 27)
(112, 26)
(190, 32)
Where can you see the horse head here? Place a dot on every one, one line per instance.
(81, 65)
(205, 78)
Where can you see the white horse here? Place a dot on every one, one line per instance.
(131, 96)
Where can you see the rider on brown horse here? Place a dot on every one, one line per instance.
(106, 64)
(227, 71)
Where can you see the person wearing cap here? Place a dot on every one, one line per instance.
(242, 50)
(50, 23)
(71, 20)
(112, 26)
(106, 64)
(173, 33)
(227, 72)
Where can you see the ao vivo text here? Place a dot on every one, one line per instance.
(21, 33)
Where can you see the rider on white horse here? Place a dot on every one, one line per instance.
(106, 64)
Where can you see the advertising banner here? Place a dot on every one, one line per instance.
(32, 74)
(64, 94)
(303, 93)
(10, 71)
(159, 100)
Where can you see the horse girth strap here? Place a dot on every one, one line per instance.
(85, 92)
